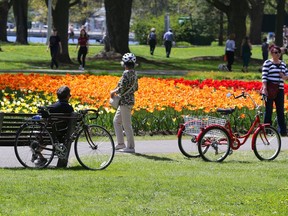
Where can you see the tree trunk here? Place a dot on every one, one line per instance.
(60, 16)
(118, 14)
(4, 8)
(237, 21)
(221, 29)
(20, 10)
(256, 16)
(280, 22)
(236, 12)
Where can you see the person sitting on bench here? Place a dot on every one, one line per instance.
(61, 106)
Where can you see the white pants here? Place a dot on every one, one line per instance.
(123, 117)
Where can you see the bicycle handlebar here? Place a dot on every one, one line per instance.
(244, 95)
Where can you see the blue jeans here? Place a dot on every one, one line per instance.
(279, 102)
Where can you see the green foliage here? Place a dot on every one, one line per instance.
(151, 184)
(142, 27)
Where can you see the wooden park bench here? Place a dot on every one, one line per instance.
(11, 122)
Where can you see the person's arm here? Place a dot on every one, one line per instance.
(48, 45)
(284, 75)
(87, 45)
(60, 45)
(265, 70)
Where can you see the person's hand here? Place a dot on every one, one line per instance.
(264, 91)
(112, 94)
(283, 76)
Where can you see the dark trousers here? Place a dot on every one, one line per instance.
(82, 52)
(230, 59)
(54, 52)
(152, 44)
(279, 102)
(168, 46)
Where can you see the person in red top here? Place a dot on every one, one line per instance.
(83, 42)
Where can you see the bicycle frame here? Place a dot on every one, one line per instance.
(236, 141)
(239, 140)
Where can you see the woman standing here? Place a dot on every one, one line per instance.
(246, 48)
(83, 42)
(229, 51)
(274, 71)
(126, 87)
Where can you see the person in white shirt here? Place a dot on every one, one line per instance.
(229, 51)
(168, 40)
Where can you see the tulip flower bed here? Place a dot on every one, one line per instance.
(160, 103)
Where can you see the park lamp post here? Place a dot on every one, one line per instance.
(49, 22)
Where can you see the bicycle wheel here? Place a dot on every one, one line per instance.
(214, 144)
(34, 145)
(267, 143)
(97, 151)
(187, 144)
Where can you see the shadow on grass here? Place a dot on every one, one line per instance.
(153, 157)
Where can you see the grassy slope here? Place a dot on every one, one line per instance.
(35, 56)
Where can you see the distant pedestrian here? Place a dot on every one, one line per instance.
(168, 41)
(54, 44)
(229, 51)
(152, 40)
(83, 42)
(71, 33)
(265, 49)
(246, 48)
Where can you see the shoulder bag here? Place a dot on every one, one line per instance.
(272, 89)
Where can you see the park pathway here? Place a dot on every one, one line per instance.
(144, 148)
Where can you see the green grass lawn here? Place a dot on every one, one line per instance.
(35, 56)
(156, 184)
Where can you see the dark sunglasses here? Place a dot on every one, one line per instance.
(276, 52)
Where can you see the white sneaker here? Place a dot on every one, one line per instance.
(120, 146)
(127, 150)
(80, 68)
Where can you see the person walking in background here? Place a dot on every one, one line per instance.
(168, 40)
(152, 40)
(83, 42)
(71, 33)
(54, 44)
(273, 72)
(229, 51)
(127, 86)
(246, 48)
(265, 49)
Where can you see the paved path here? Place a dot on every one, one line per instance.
(149, 147)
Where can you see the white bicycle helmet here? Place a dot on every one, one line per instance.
(129, 58)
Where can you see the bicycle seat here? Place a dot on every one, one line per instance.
(225, 111)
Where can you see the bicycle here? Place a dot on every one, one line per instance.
(38, 137)
(188, 133)
(215, 142)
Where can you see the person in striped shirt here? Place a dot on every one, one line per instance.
(274, 71)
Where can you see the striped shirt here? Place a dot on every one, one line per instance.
(271, 72)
